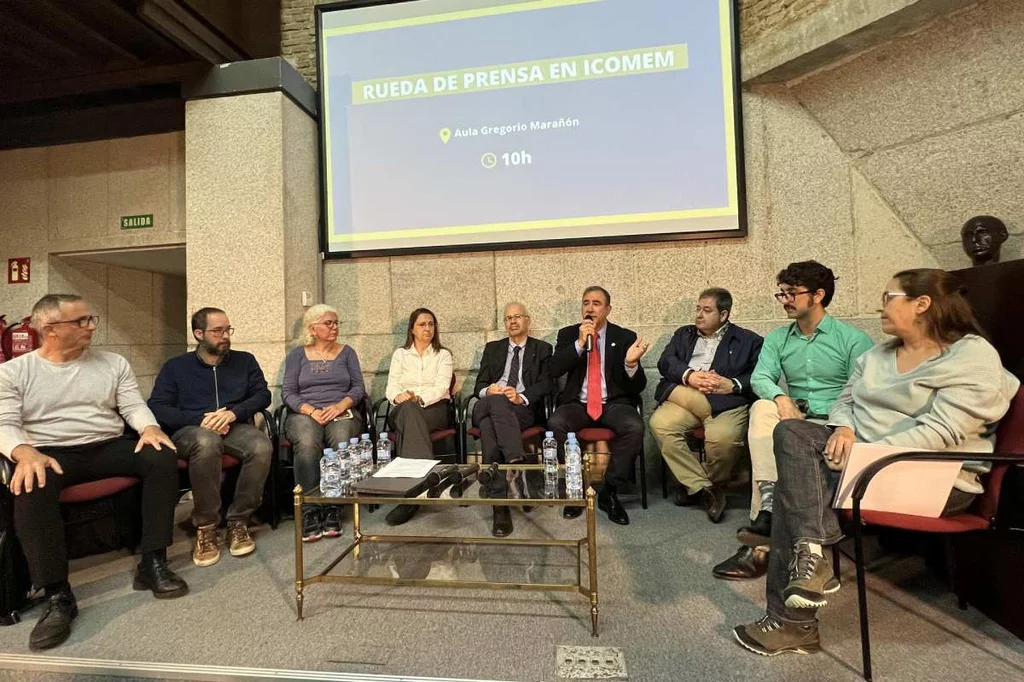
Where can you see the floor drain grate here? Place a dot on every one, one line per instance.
(591, 663)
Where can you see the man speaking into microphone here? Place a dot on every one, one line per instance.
(604, 376)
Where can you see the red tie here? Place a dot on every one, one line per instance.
(594, 381)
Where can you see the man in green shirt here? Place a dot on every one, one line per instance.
(814, 355)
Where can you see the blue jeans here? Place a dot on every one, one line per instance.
(802, 510)
(309, 439)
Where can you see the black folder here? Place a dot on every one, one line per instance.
(394, 487)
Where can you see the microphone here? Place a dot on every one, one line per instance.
(589, 345)
(436, 481)
(463, 480)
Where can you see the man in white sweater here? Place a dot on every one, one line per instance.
(63, 410)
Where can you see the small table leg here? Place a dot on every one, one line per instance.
(592, 558)
(299, 569)
(356, 531)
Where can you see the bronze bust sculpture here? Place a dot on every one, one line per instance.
(982, 236)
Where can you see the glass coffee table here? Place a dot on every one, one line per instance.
(363, 543)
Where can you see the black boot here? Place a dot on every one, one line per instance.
(758, 533)
(54, 626)
(401, 514)
(154, 574)
(502, 526)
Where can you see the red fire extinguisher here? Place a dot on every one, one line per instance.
(20, 340)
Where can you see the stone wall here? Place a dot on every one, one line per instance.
(758, 17)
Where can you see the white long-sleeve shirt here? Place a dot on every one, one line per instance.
(48, 404)
(428, 375)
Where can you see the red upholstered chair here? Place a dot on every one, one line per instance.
(696, 440)
(95, 490)
(981, 516)
(466, 421)
(380, 420)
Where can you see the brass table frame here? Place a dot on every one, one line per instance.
(358, 539)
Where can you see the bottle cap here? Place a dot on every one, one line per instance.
(549, 434)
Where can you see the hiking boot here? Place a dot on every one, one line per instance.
(241, 543)
(311, 528)
(205, 552)
(810, 579)
(54, 626)
(769, 637)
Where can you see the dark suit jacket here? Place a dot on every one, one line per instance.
(621, 388)
(735, 359)
(532, 366)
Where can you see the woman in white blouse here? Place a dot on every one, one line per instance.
(418, 382)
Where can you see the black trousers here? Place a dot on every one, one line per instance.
(412, 425)
(37, 518)
(621, 418)
(501, 424)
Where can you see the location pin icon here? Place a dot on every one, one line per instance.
(446, 134)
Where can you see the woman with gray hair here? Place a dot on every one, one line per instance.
(323, 386)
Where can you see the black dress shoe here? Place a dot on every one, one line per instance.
(608, 502)
(759, 532)
(714, 502)
(153, 574)
(54, 625)
(684, 499)
(502, 522)
(401, 514)
(746, 564)
(572, 512)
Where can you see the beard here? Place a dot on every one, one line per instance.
(219, 349)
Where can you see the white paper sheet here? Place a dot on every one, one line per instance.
(406, 467)
(916, 488)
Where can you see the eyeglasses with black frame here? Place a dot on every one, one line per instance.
(82, 322)
(220, 331)
(790, 295)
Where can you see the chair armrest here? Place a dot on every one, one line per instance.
(367, 408)
(282, 416)
(6, 471)
(638, 402)
(549, 406)
(376, 413)
(466, 407)
(271, 424)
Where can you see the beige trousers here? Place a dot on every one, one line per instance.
(764, 415)
(675, 419)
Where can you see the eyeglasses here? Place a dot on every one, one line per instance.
(331, 324)
(516, 318)
(220, 331)
(82, 322)
(889, 295)
(790, 295)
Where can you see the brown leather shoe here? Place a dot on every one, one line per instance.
(714, 502)
(746, 564)
(205, 552)
(241, 542)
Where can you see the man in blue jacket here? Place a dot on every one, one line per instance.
(705, 382)
(206, 399)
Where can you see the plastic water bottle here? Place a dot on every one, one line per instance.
(550, 449)
(352, 452)
(330, 474)
(383, 450)
(573, 469)
(345, 474)
(366, 455)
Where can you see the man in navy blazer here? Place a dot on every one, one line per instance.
(705, 382)
(512, 383)
(601, 362)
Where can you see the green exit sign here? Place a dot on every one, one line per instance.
(134, 222)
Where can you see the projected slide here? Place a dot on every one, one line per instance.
(479, 122)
